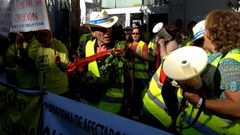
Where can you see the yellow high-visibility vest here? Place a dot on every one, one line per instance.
(207, 122)
(112, 99)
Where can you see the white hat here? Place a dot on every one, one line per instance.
(198, 30)
(160, 30)
(101, 19)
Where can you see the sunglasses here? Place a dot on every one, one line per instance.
(135, 33)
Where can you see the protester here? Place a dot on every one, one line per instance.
(212, 109)
(127, 32)
(219, 94)
(198, 32)
(24, 58)
(140, 52)
(101, 80)
(152, 98)
(154, 48)
(183, 38)
(11, 50)
(222, 39)
(51, 61)
(190, 26)
(154, 54)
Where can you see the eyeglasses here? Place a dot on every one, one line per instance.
(135, 33)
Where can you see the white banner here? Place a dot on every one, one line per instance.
(29, 15)
(62, 116)
(5, 10)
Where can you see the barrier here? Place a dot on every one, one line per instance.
(62, 115)
(20, 113)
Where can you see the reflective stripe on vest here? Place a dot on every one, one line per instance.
(207, 122)
(113, 98)
(154, 102)
(141, 67)
(92, 66)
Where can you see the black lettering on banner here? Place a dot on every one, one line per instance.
(85, 125)
(94, 128)
(111, 132)
(118, 133)
(47, 131)
(106, 131)
(101, 128)
(88, 125)
(78, 121)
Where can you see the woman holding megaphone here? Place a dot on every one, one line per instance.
(207, 96)
(221, 95)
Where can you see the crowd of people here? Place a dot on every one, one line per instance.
(117, 70)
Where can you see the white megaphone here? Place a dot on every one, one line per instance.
(160, 30)
(186, 64)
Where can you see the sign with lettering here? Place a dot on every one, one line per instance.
(29, 15)
(62, 116)
(5, 10)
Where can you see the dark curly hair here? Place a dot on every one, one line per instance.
(223, 27)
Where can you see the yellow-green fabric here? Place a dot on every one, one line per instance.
(140, 67)
(20, 114)
(112, 99)
(233, 54)
(153, 100)
(51, 77)
(151, 44)
(10, 54)
(207, 122)
(92, 66)
(25, 78)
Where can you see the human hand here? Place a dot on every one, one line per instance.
(71, 67)
(233, 103)
(192, 98)
(192, 84)
(132, 51)
(117, 51)
(233, 96)
(161, 42)
(57, 59)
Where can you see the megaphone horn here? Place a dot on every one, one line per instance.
(186, 64)
(160, 30)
